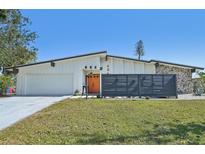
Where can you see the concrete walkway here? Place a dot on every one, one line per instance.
(14, 109)
(180, 97)
(190, 97)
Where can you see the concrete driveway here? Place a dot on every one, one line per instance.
(13, 109)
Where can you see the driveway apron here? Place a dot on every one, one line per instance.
(14, 109)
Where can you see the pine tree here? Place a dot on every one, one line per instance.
(139, 50)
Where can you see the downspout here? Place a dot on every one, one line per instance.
(1, 70)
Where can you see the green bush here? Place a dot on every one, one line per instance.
(5, 81)
(199, 84)
(202, 75)
(198, 87)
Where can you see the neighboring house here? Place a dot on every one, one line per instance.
(66, 75)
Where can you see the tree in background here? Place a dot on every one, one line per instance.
(3, 14)
(139, 49)
(16, 43)
(202, 75)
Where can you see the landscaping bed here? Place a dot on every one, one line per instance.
(101, 121)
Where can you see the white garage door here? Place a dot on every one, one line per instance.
(49, 84)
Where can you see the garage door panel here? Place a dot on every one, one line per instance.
(49, 84)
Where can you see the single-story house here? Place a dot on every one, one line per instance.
(66, 75)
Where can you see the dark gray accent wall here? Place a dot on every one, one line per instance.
(153, 85)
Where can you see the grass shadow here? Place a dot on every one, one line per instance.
(189, 133)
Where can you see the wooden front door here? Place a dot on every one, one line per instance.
(93, 82)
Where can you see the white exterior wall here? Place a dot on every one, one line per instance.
(75, 67)
(70, 66)
(122, 66)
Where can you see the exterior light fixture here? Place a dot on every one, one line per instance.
(15, 71)
(157, 64)
(52, 64)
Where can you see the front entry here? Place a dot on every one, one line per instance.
(93, 82)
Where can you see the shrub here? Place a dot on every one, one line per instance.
(77, 92)
(202, 75)
(5, 81)
(198, 88)
(199, 84)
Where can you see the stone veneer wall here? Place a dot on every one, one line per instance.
(184, 77)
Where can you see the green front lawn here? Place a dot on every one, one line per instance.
(100, 121)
